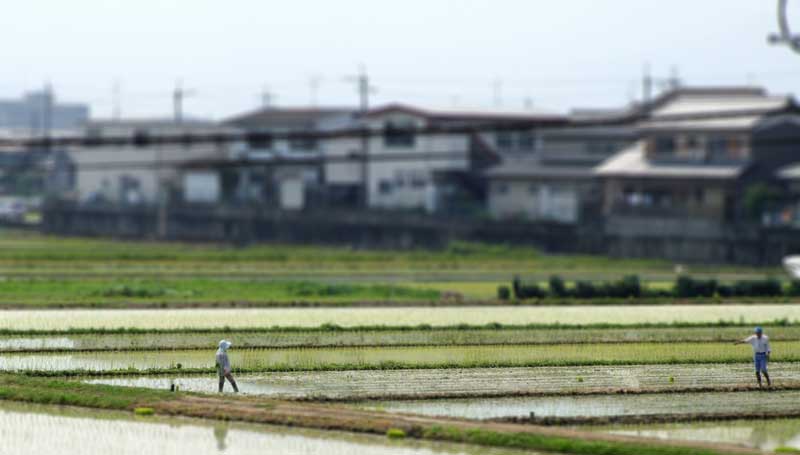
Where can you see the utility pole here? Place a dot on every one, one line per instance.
(313, 89)
(267, 98)
(116, 100)
(364, 89)
(674, 80)
(647, 84)
(47, 110)
(178, 95)
(497, 89)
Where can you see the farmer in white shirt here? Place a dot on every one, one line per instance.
(761, 352)
(224, 366)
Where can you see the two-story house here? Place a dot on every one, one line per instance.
(282, 156)
(688, 173)
(555, 180)
(143, 168)
(413, 158)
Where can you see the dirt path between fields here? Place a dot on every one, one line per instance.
(332, 417)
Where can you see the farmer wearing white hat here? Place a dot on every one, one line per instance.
(761, 352)
(224, 366)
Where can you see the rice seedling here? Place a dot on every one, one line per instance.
(291, 359)
(60, 320)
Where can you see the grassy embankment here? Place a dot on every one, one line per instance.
(51, 391)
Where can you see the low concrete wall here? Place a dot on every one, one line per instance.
(693, 242)
(358, 229)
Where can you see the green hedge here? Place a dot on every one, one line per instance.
(631, 287)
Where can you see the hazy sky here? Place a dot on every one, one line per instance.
(433, 52)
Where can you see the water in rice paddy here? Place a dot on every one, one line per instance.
(35, 429)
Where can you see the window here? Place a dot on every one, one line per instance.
(395, 135)
(527, 140)
(500, 188)
(259, 141)
(504, 140)
(664, 144)
(692, 142)
(302, 144)
(385, 187)
(533, 189)
(699, 195)
(141, 138)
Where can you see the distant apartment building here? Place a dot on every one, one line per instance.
(39, 112)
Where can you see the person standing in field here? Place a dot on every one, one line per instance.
(761, 352)
(224, 366)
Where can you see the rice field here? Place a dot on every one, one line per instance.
(724, 403)
(360, 385)
(388, 337)
(248, 318)
(71, 431)
(289, 359)
(470, 362)
(764, 434)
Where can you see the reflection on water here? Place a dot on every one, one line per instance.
(598, 405)
(761, 434)
(220, 434)
(40, 430)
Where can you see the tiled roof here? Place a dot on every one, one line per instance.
(632, 162)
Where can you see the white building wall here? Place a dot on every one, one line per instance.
(402, 176)
(527, 200)
(338, 169)
(101, 170)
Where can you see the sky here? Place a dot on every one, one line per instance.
(556, 55)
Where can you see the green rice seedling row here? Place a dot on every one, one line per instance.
(438, 316)
(375, 338)
(288, 359)
(356, 385)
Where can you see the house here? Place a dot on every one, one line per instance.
(144, 168)
(698, 152)
(281, 158)
(555, 181)
(432, 160)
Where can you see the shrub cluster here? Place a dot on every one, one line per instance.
(686, 287)
(527, 291)
(631, 287)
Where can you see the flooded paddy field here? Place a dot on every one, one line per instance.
(473, 382)
(370, 316)
(72, 431)
(283, 359)
(761, 434)
(385, 337)
(724, 403)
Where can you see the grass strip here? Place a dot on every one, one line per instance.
(532, 441)
(52, 391)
